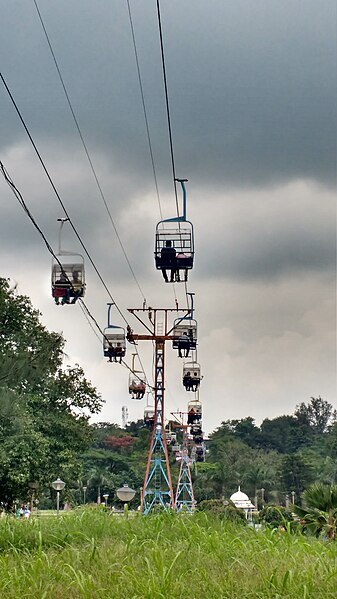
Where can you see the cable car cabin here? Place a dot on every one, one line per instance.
(194, 412)
(184, 336)
(68, 281)
(200, 453)
(149, 414)
(114, 343)
(174, 250)
(196, 430)
(191, 376)
(137, 386)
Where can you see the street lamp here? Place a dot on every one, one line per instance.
(84, 492)
(262, 496)
(58, 485)
(293, 497)
(125, 494)
(105, 497)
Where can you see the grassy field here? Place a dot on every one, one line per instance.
(94, 554)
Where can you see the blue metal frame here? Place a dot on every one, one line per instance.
(180, 219)
(157, 486)
(185, 497)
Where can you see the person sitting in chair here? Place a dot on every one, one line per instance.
(184, 344)
(168, 260)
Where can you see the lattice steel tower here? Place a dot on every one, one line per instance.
(157, 489)
(184, 500)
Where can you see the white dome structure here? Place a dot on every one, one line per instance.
(242, 502)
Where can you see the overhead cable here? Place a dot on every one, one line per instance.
(144, 108)
(59, 197)
(84, 307)
(167, 105)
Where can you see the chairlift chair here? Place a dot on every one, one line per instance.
(196, 430)
(137, 386)
(149, 414)
(68, 274)
(194, 412)
(174, 245)
(184, 336)
(191, 376)
(114, 341)
(200, 453)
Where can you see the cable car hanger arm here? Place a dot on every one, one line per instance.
(179, 219)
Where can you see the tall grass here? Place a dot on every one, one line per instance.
(96, 555)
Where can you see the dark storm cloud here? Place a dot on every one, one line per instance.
(252, 85)
(267, 234)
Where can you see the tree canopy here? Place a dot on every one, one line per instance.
(44, 408)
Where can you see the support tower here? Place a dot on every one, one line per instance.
(157, 489)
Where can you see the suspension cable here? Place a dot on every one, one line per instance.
(144, 108)
(167, 106)
(83, 305)
(59, 197)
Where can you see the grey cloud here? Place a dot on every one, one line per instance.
(252, 87)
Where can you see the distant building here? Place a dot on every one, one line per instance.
(242, 502)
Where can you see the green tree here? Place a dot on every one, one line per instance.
(316, 415)
(247, 431)
(296, 473)
(44, 409)
(282, 434)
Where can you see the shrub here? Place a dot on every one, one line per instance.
(275, 516)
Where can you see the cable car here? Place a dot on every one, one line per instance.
(200, 453)
(191, 376)
(174, 245)
(137, 386)
(67, 276)
(196, 430)
(194, 412)
(114, 341)
(171, 437)
(184, 336)
(149, 414)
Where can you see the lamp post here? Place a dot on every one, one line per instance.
(58, 485)
(84, 492)
(262, 496)
(125, 494)
(105, 497)
(293, 497)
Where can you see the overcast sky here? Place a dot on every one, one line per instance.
(252, 89)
